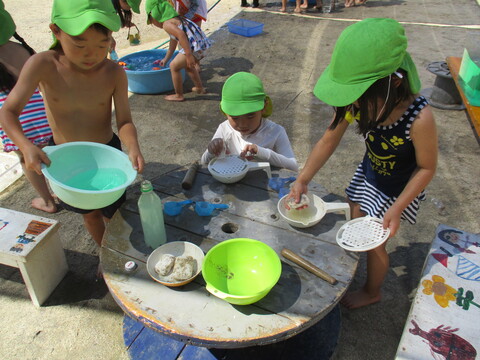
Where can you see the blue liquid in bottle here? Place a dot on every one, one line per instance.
(151, 216)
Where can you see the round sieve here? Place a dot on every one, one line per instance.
(362, 234)
(229, 166)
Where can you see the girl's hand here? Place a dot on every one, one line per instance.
(249, 151)
(163, 62)
(136, 158)
(391, 220)
(34, 157)
(296, 190)
(190, 61)
(216, 146)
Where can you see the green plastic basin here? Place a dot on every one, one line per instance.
(241, 271)
(88, 175)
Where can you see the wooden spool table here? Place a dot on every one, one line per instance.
(192, 315)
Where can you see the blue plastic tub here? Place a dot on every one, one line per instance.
(245, 27)
(142, 79)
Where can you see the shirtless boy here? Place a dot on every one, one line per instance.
(78, 84)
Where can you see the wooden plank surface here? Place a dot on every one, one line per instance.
(473, 111)
(444, 317)
(299, 300)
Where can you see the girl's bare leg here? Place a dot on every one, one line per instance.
(298, 9)
(377, 268)
(177, 64)
(197, 81)
(45, 202)
(284, 6)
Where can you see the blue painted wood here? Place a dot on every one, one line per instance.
(150, 344)
(317, 342)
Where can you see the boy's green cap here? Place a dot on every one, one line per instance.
(242, 94)
(160, 10)
(135, 5)
(76, 16)
(7, 25)
(365, 52)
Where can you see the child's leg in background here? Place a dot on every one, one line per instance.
(244, 3)
(195, 76)
(377, 267)
(95, 225)
(297, 6)
(177, 64)
(45, 202)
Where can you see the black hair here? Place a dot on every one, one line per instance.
(96, 26)
(125, 15)
(368, 103)
(7, 80)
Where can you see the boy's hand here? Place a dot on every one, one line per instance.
(249, 151)
(34, 157)
(215, 146)
(137, 160)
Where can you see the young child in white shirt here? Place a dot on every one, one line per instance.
(247, 132)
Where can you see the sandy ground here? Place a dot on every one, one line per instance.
(82, 321)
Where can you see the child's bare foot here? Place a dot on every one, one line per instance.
(283, 9)
(349, 3)
(298, 10)
(360, 2)
(40, 204)
(304, 5)
(174, 97)
(359, 298)
(199, 90)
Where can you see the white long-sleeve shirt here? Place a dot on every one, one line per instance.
(270, 138)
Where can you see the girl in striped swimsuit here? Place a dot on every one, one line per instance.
(378, 91)
(33, 117)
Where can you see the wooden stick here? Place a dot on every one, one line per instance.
(190, 176)
(307, 265)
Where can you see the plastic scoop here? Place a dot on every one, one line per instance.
(203, 208)
(174, 208)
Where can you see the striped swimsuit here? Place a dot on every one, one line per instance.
(34, 122)
(199, 42)
(387, 166)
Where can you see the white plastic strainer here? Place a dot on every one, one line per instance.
(362, 234)
(233, 168)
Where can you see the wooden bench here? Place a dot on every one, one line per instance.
(472, 111)
(445, 313)
(31, 244)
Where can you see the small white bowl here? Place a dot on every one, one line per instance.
(175, 248)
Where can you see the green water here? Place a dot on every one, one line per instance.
(469, 78)
(97, 179)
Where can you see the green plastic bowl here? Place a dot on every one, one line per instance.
(241, 271)
(88, 175)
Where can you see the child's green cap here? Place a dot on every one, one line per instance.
(7, 25)
(76, 16)
(135, 5)
(365, 52)
(242, 94)
(160, 10)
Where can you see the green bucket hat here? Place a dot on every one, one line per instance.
(76, 16)
(7, 25)
(242, 94)
(160, 10)
(135, 5)
(365, 52)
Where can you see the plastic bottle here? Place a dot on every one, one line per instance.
(469, 74)
(113, 56)
(151, 216)
(439, 205)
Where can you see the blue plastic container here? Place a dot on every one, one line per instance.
(245, 27)
(142, 79)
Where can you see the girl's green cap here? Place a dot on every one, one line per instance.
(135, 5)
(7, 25)
(160, 10)
(365, 52)
(76, 16)
(242, 94)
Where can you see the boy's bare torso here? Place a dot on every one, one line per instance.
(78, 102)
